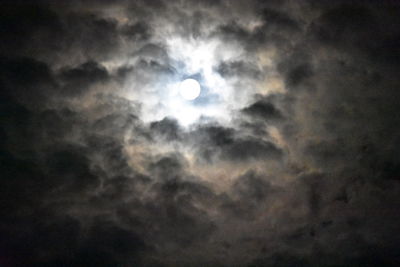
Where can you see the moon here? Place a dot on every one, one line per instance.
(189, 89)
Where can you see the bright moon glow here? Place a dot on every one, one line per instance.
(172, 97)
(189, 89)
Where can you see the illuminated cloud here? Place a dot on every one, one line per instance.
(288, 156)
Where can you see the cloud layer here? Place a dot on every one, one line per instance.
(289, 157)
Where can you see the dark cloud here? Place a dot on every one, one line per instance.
(298, 70)
(244, 149)
(22, 23)
(234, 32)
(359, 29)
(50, 31)
(251, 186)
(78, 80)
(108, 244)
(137, 32)
(167, 128)
(97, 168)
(238, 69)
(220, 143)
(263, 110)
(26, 80)
(180, 221)
(71, 168)
(167, 167)
(217, 135)
(298, 74)
(251, 192)
(345, 24)
(279, 19)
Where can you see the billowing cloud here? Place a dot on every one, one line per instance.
(289, 156)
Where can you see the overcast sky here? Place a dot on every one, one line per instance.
(289, 156)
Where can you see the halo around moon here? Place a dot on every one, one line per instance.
(189, 89)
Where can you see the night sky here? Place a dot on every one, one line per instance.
(289, 156)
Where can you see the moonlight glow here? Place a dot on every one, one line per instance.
(189, 89)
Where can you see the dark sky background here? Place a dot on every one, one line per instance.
(289, 157)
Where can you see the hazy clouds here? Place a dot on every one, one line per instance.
(289, 157)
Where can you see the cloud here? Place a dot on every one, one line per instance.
(167, 128)
(238, 69)
(288, 157)
(249, 148)
(82, 77)
(263, 109)
(279, 19)
(26, 81)
(139, 31)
